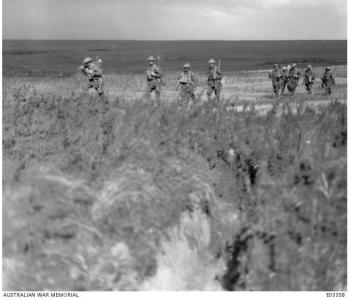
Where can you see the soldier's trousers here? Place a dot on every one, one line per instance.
(276, 88)
(153, 86)
(214, 88)
(292, 84)
(187, 92)
(98, 84)
(328, 88)
(283, 86)
(309, 87)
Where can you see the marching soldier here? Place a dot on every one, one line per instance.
(93, 71)
(293, 79)
(309, 79)
(274, 75)
(283, 79)
(154, 77)
(214, 77)
(328, 80)
(187, 82)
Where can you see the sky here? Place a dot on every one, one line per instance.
(175, 19)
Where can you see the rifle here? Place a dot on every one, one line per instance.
(178, 84)
(159, 61)
(99, 61)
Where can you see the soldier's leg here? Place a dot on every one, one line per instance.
(192, 93)
(293, 87)
(148, 90)
(99, 86)
(182, 92)
(209, 92)
(90, 84)
(218, 94)
(282, 88)
(188, 92)
(158, 91)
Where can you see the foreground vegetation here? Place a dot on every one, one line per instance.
(127, 194)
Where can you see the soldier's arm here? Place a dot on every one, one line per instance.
(193, 79)
(157, 72)
(96, 70)
(332, 79)
(219, 74)
(83, 70)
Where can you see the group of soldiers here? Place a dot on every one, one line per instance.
(289, 76)
(286, 77)
(187, 80)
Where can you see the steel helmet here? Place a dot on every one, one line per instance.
(309, 67)
(187, 65)
(211, 61)
(327, 68)
(151, 58)
(293, 65)
(284, 68)
(87, 60)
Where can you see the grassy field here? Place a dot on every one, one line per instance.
(123, 193)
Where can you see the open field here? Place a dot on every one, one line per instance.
(61, 58)
(123, 193)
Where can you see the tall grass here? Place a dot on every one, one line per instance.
(123, 194)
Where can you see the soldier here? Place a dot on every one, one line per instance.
(293, 79)
(214, 77)
(309, 79)
(283, 79)
(328, 80)
(274, 75)
(93, 71)
(187, 82)
(154, 78)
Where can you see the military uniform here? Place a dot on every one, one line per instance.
(93, 71)
(187, 82)
(154, 77)
(214, 84)
(309, 77)
(274, 75)
(293, 79)
(328, 81)
(283, 80)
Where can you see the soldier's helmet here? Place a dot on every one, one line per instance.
(293, 65)
(309, 67)
(187, 65)
(211, 61)
(87, 60)
(284, 68)
(327, 68)
(151, 58)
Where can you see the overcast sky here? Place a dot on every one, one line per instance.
(175, 19)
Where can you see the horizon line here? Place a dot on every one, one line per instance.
(172, 40)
